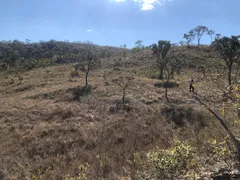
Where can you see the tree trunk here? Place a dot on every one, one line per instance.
(160, 73)
(86, 79)
(51, 57)
(198, 42)
(230, 74)
(172, 74)
(166, 89)
(123, 98)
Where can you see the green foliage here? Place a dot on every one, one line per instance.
(18, 54)
(139, 166)
(228, 49)
(171, 163)
(220, 151)
(189, 37)
(37, 175)
(160, 51)
(81, 174)
(197, 32)
(138, 45)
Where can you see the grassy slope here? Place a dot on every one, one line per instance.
(43, 130)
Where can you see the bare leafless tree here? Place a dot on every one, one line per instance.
(123, 82)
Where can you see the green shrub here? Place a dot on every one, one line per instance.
(171, 163)
(220, 151)
(80, 173)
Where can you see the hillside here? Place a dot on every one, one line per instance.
(45, 134)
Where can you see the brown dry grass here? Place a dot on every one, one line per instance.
(46, 134)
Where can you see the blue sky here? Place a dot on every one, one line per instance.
(115, 22)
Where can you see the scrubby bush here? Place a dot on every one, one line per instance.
(74, 73)
(171, 163)
(220, 151)
(80, 172)
(81, 91)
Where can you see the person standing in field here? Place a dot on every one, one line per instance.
(191, 85)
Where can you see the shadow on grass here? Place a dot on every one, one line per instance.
(80, 91)
(165, 84)
(48, 95)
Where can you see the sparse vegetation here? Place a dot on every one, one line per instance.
(123, 82)
(119, 126)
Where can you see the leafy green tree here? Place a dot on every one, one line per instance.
(139, 45)
(174, 63)
(198, 32)
(160, 50)
(123, 47)
(228, 49)
(51, 45)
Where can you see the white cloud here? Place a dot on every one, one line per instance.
(146, 7)
(89, 30)
(119, 0)
(147, 4)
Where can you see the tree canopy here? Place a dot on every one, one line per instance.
(228, 49)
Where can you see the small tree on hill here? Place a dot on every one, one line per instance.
(123, 82)
(211, 33)
(160, 50)
(228, 49)
(173, 64)
(189, 38)
(88, 62)
(123, 50)
(138, 44)
(198, 33)
(218, 36)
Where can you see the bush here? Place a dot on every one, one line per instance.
(171, 163)
(74, 74)
(219, 151)
(81, 91)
